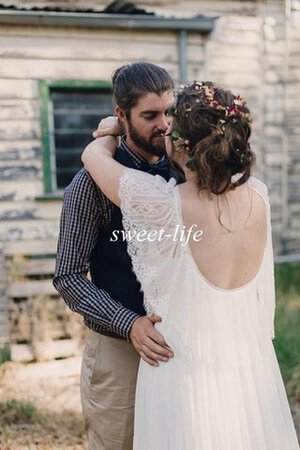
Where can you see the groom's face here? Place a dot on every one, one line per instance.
(148, 122)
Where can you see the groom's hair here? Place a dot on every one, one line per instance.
(132, 81)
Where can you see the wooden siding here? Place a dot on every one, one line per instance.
(30, 54)
(253, 49)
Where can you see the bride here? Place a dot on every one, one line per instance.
(214, 290)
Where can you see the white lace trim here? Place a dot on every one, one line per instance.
(147, 202)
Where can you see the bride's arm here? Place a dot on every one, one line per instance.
(98, 160)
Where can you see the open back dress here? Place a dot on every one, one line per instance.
(223, 389)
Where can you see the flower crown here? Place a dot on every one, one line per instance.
(231, 114)
(234, 112)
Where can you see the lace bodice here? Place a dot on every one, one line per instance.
(151, 214)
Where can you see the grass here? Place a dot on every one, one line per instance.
(23, 426)
(15, 410)
(287, 326)
(4, 353)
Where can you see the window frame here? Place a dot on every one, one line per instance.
(46, 121)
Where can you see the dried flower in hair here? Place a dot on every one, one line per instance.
(181, 144)
(202, 108)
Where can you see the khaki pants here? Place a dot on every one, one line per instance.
(108, 381)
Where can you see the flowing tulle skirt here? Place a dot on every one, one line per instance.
(188, 405)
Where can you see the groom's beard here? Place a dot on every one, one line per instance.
(147, 144)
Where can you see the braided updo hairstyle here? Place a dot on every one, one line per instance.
(217, 125)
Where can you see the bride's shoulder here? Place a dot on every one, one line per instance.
(147, 181)
(258, 185)
(143, 188)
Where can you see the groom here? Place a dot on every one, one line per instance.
(112, 303)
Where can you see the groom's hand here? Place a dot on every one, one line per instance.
(148, 342)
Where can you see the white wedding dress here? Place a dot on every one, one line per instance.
(223, 389)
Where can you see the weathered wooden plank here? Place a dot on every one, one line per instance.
(292, 104)
(230, 79)
(19, 129)
(273, 131)
(21, 353)
(189, 8)
(278, 49)
(275, 61)
(295, 65)
(241, 52)
(274, 31)
(229, 34)
(293, 76)
(19, 109)
(28, 229)
(79, 49)
(20, 150)
(29, 210)
(291, 90)
(34, 288)
(243, 67)
(4, 340)
(30, 248)
(93, 39)
(47, 350)
(19, 145)
(14, 190)
(294, 50)
(18, 89)
(274, 117)
(24, 170)
(43, 266)
(195, 51)
(84, 70)
(295, 33)
(3, 304)
(276, 159)
(90, 35)
(243, 23)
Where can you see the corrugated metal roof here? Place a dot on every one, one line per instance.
(119, 14)
(115, 7)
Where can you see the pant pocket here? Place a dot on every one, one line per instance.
(89, 357)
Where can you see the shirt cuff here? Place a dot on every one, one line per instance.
(122, 322)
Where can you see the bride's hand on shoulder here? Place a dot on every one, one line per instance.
(109, 126)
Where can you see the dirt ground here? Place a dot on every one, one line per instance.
(53, 387)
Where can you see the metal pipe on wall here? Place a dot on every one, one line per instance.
(183, 56)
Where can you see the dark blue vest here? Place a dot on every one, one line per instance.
(111, 267)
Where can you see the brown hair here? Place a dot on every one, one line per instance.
(217, 125)
(132, 81)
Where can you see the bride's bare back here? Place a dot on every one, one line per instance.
(234, 233)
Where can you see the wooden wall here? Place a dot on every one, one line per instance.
(30, 54)
(255, 49)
